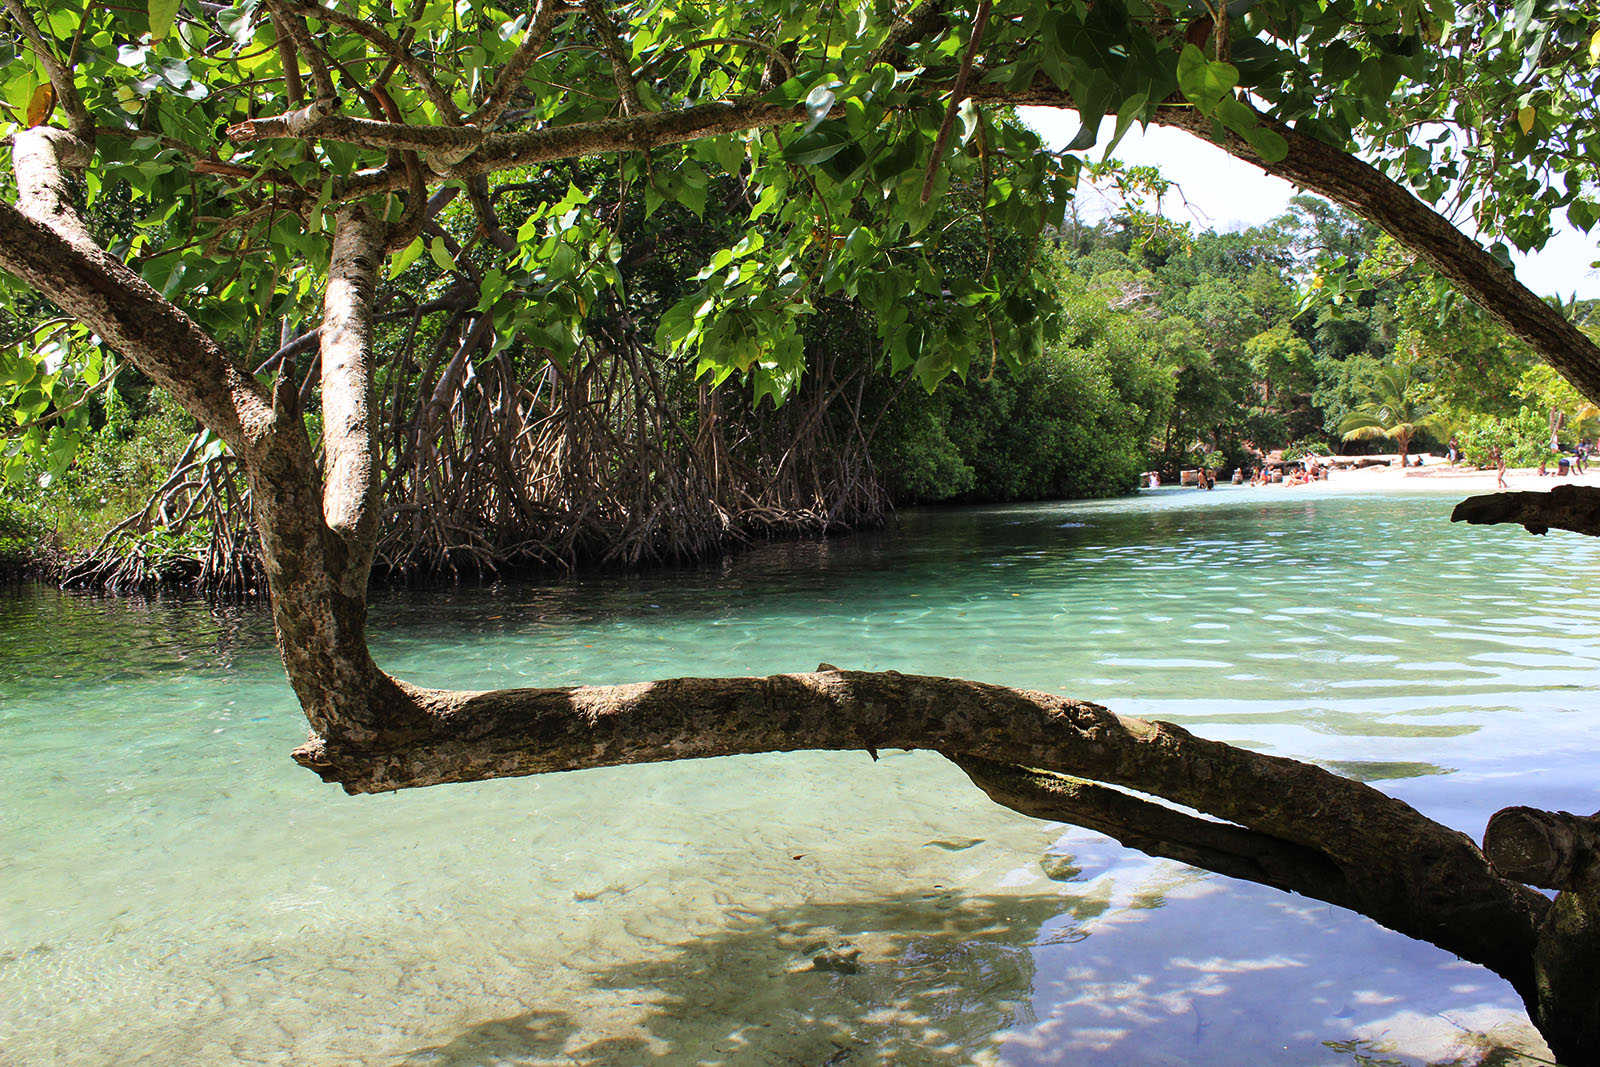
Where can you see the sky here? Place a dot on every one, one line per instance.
(1223, 193)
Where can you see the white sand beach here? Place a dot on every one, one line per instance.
(1437, 475)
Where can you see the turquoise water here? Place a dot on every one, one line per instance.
(173, 890)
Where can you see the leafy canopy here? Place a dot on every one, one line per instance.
(227, 137)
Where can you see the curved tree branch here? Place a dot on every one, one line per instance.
(1158, 830)
(433, 737)
(46, 244)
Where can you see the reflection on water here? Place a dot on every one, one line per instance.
(174, 891)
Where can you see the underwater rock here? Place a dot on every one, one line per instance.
(1059, 868)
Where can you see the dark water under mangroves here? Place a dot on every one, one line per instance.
(173, 890)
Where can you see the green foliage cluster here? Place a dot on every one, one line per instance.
(838, 204)
(128, 452)
(1521, 440)
(1144, 345)
(1073, 422)
(1312, 333)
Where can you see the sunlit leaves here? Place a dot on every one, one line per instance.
(162, 14)
(44, 376)
(441, 255)
(402, 260)
(833, 200)
(1205, 83)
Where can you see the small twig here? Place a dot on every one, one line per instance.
(746, 42)
(545, 14)
(292, 25)
(627, 91)
(957, 96)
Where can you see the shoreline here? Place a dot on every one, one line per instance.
(1436, 475)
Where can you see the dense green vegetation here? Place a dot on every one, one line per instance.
(1177, 349)
(722, 333)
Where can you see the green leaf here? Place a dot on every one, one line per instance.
(1131, 109)
(1205, 83)
(819, 102)
(1339, 61)
(317, 209)
(162, 15)
(1269, 144)
(441, 255)
(822, 143)
(1581, 213)
(901, 158)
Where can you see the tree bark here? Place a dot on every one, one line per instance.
(1564, 507)
(1301, 827)
(1558, 850)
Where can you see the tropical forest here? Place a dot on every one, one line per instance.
(774, 533)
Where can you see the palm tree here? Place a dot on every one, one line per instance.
(1392, 410)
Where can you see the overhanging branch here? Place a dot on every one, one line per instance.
(435, 737)
(1564, 507)
(47, 246)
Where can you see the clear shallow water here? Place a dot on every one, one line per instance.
(173, 890)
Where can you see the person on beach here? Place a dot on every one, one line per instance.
(1580, 458)
(1453, 451)
(1499, 458)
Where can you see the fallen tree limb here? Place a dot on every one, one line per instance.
(1158, 830)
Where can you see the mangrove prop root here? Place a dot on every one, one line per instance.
(612, 461)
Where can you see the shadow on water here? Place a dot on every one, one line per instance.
(948, 978)
(935, 977)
